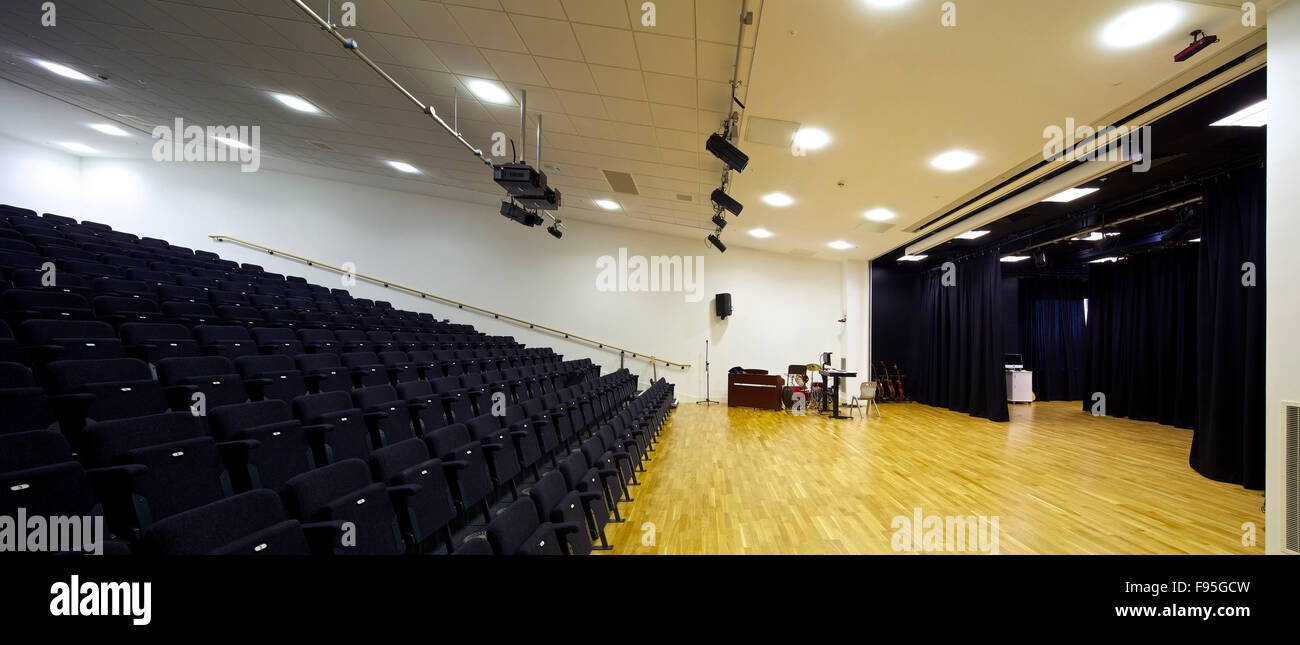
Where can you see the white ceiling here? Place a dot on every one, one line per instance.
(893, 88)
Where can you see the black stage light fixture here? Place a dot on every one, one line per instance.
(725, 201)
(555, 230)
(720, 222)
(1198, 44)
(717, 242)
(729, 154)
(547, 200)
(520, 215)
(519, 179)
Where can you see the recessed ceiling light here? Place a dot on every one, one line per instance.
(840, 245)
(1141, 25)
(1106, 259)
(233, 143)
(811, 138)
(1095, 236)
(1255, 116)
(1015, 258)
(972, 235)
(778, 199)
(760, 233)
(1070, 195)
(879, 215)
(63, 70)
(608, 204)
(489, 91)
(110, 129)
(887, 4)
(296, 103)
(954, 160)
(1113, 234)
(77, 147)
(1195, 239)
(913, 258)
(404, 167)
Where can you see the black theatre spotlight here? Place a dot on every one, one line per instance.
(720, 222)
(729, 154)
(1198, 44)
(555, 230)
(717, 242)
(525, 217)
(724, 200)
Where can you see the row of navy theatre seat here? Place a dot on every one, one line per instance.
(203, 406)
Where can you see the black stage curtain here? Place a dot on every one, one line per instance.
(1141, 335)
(1051, 336)
(1229, 441)
(961, 341)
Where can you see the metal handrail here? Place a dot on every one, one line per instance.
(426, 295)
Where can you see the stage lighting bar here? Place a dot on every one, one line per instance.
(720, 221)
(523, 216)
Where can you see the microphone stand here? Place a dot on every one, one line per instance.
(707, 400)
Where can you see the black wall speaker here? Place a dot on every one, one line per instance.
(724, 305)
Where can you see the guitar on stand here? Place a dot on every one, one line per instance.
(887, 383)
(898, 383)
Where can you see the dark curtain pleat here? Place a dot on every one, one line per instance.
(1141, 337)
(1229, 441)
(1051, 336)
(961, 341)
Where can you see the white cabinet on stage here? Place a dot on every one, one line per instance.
(1020, 386)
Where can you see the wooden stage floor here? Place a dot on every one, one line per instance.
(1058, 480)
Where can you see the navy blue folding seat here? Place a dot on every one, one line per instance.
(231, 341)
(94, 269)
(236, 291)
(63, 282)
(152, 342)
(95, 226)
(400, 368)
(52, 340)
(40, 474)
(283, 449)
(408, 341)
(242, 316)
(176, 293)
(426, 507)
(17, 246)
(23, 405)
(353, 340)
(154, 279)
(559, 504)
(324, 372)
(281, 318)
(123, 262)
(118, 310)
(207, 285)
(275, 376)
(516, 531)
(502, 453)
(9, 351)
(344, 322)
(152, 243)
(228, 298)
(601, 485)
(428, 366)
(251, 523)
(532, 416)
(387, 415)
(277, 340)
(266, 302)
(365, 368)
(213, 277)
(189, 313)
(474, 545)
(207, 256)
(267, 288)
(344, 492)
(11, 261)
(335, 426)
(380, 341)
(168, 464)
(26, 304)
(319, 341)
(213, 376)
(467, 464)
(427, 411)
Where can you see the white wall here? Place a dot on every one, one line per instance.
(786, 307)
(1282, 378)
(40, 178)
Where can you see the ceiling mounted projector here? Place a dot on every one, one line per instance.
(519, 179)
(1197, 45)
(729, 154)
(548, 200)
